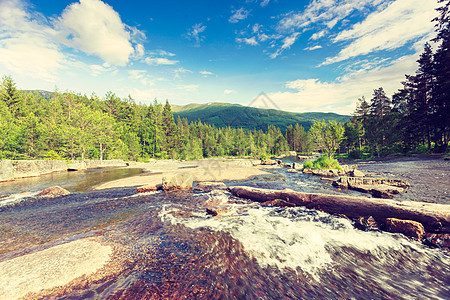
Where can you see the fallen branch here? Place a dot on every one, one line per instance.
(434, 217)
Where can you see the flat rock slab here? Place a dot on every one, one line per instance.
(51, 267)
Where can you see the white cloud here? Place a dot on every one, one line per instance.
(287, 43)
(399, 23)
(26, 43)
(249, 41)
(206, 73)
(238, 15)
(96, 29)
(340, 96)
(188, 87)
(313, 48)
(180, 71)
(160, 61)
(141, 76)
(99, 69)
(227, 92)
(139, 51)
(162, 53)
(195, 33)
(264, 3)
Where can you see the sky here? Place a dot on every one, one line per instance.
(301, 56)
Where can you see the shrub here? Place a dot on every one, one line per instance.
(325, 162)
(307, 164)
(52, 155)
(355, 154)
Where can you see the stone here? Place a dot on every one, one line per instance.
(210, 186)
(407, 227)
(292, 153)
(216, 211)
(54, 191)
(178, 182)
(269, 162)
(287, 165)
(149, 188)
(356, 173)
(437, 240)
(297, 166)
(292, 171)
(367, 223)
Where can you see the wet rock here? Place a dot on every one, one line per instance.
(149, 188)
(269, 162)
(377, 187)
(356, 173)
(407, 227)
(292, 171)
(322, 173)
(216, 211)
(210, 186)
(54, 191)
(279, 162)
(256, 162)
(297, 166)
(292, 153)
(178, 182)
(367, 223)
(287, 165)
(278, 203)
(437, 240)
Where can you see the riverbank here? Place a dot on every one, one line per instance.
(216, 169)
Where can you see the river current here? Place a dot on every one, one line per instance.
(166, 246)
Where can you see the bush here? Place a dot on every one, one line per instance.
(355, 154)
(324, 162)
(307, 164)
(52, 155)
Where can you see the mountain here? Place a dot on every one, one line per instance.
(235, 115)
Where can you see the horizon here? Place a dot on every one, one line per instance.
(310, 56)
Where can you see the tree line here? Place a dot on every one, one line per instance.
(417, 117)
(72, 126)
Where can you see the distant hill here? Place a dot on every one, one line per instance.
(235, 115)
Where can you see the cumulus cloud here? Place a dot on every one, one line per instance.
(160, 61)
(249, 41)
(26, 44)
(195, 33)
(238, 15)
(206, 73)
(341, 95)
(96, 29)
(399, 23)
(178, 72)
(287, 43)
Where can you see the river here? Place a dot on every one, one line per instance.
(167, 247)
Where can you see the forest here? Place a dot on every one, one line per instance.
(66, 125)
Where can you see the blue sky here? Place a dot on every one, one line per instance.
(319, 55)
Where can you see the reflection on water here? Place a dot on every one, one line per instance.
(75, 182)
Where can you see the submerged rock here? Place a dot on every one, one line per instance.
(367, 223)
(407, 227)
(292, 171)
(54, 191)
(437, 240)
(210, 186)
(178, 182)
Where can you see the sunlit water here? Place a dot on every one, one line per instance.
(167, 247)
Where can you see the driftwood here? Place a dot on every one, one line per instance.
(434, 217)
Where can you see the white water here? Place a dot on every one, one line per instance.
(289, 237)
(15, 199)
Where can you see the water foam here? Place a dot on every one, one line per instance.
(15, 199)
(290, 237)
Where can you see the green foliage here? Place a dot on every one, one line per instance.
(327, 136)
(52, 155)
(324, 162)
(355, 154)
(308, 164)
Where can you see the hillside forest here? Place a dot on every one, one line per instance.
(71, 126)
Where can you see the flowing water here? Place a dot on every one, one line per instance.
(166, 246)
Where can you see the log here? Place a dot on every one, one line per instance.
(434, 217)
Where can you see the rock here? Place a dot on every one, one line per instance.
(287, 165)
(216, 211)
(210, 186)
(407, 227)
(367, 223)
(269, 162)
(149, 188)
(279, 162)
(278, 203)
(292, 171)
(54, 191)
(297, 166)
(322, 173)
(437, 240)
(292, 153)
(178, 182)
(356, 173)
(256, 162)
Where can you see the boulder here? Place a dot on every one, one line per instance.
(367, 223)
(292, 171)
(297, 166)
(54, 191)
(210, 186)
(437, 240)
(149, 188)
(256, 162)
(178, 182)
(269, 162)
(287, 165)
(292, 153)
(216, 211)
(356, 173)
(407, 227)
